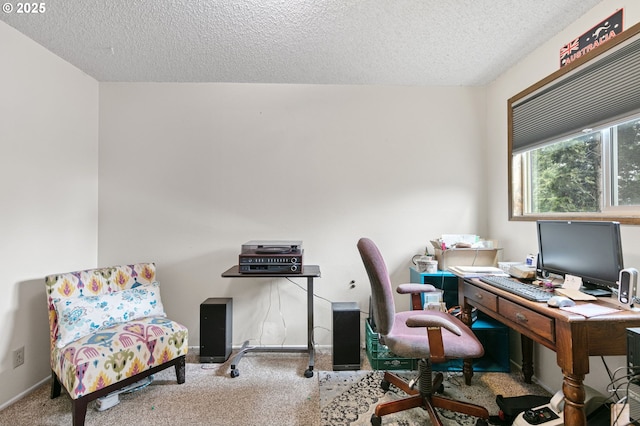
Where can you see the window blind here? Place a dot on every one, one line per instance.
(607, 89)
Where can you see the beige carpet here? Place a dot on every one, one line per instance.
(271, 390)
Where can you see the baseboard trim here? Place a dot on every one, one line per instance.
(25, 393)
(321, 349)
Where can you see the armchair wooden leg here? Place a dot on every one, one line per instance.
(56, 387)
(79, 411)
(180, 370)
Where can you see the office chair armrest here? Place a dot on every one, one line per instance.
(432, 321)
(415, 288)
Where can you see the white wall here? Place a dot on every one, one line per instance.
(49, 192)
(189, 172)
(519, 238)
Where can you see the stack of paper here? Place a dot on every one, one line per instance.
(590, 309)
(477, 271)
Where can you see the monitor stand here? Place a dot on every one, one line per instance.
(596, 291)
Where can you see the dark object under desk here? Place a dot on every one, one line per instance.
(309, 272)
(571, 336)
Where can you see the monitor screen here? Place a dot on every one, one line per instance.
(586, 249)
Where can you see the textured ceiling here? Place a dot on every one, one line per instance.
(399, 42)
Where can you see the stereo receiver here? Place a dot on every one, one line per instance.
(276, 257)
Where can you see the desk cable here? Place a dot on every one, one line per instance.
(621, 383)
(475, 256)
(284, 324)
(266, 315)
(326, 300)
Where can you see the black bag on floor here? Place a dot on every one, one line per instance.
(510, 407)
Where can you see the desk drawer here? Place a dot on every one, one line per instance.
(481, 297)
(543, 325)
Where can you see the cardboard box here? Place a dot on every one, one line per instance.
(466, 257)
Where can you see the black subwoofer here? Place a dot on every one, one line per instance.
(346, 335)
(215, 329)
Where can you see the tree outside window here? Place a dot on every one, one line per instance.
(594, 172)
(566, 176)
(628, 175)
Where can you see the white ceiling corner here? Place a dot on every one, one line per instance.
(377, 42)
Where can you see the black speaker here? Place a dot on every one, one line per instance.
(215, 329)
(633, 348)
(627, 282)
(346, 335)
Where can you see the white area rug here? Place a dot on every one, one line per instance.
(348, 398)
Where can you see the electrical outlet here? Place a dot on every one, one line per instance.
(18, 357)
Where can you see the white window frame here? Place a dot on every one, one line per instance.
(518, 185)
(608, 203)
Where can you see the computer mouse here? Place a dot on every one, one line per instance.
(560, 302)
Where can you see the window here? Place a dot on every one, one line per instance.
(574, 139)
(565, 177)
(596, 172)
(626, 176)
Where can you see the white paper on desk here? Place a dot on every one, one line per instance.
(481, 269)
(574, 294)
(476, 271)
(573, 282)
(590, 309)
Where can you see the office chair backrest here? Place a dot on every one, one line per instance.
(381, 291)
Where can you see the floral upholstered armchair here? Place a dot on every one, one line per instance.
(108, 329)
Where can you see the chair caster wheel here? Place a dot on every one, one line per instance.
(375, 420)
(308, 373)
(385, 385)
(235, 373)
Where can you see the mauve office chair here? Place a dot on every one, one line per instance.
(430, 336)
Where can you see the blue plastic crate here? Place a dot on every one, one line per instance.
(494, 336)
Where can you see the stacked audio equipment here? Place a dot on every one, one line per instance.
(346, 335)
(277, 257)
(215, 329)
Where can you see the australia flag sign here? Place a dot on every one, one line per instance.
(601, 33)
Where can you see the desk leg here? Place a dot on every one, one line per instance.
(574, 395)
(467, 364)
(527, 358)
(573, 360)
(310, 347)
(235, 372)
(236, 359)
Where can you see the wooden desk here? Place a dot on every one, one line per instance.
(309, 272)
(571, 336)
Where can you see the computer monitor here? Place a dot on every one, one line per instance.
(590, 250)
